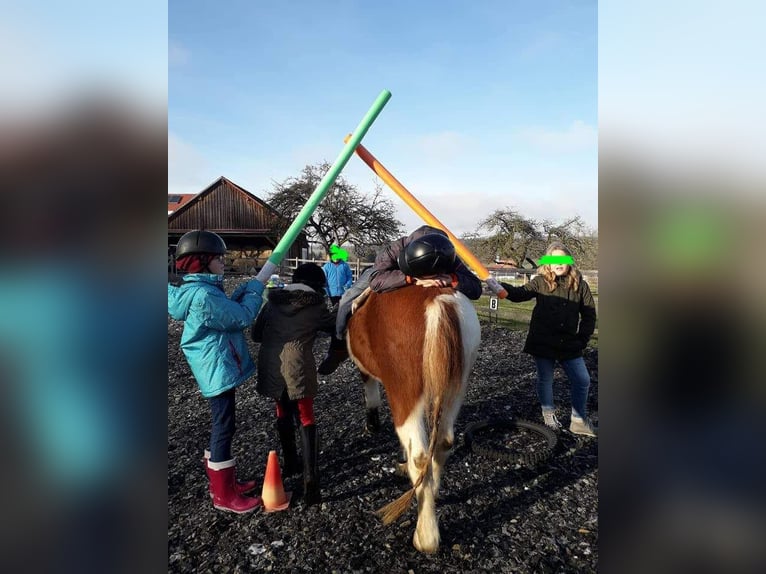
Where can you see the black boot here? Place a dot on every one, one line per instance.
(286, 433)
(336, 354)
(372, 424)
(310, 447)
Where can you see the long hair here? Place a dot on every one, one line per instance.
(573, 275)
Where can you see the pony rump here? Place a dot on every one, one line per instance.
(442, 379)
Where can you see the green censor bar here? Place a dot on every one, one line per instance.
(336, 253)
(556, 260)
(321, 190)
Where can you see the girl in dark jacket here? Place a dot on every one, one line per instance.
(286, 328)
(563, 321)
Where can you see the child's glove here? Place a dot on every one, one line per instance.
(253, 286)
(256, 286)
(239, 292)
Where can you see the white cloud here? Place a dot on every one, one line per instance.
(579, 136)
(461, 205)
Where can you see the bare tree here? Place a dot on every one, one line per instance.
(581, 241)
(511, 235)
(345, 215)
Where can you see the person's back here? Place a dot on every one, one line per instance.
(286, 328)
(436, 265)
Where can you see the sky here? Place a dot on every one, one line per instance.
(684, 84)
(494, 103)
(52, 52)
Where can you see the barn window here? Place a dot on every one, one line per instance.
(174, 198)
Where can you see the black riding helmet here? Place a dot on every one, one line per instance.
(431, 254)
(200, 242)
(312, 275)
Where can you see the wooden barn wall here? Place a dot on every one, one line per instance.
(225, 208)
(244, 222)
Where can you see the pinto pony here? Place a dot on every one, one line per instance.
(421, 343)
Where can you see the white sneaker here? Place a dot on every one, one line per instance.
(581, 426)
(549, 416)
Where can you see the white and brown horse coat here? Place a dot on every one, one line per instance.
(421, 343)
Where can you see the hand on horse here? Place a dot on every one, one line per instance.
(434, 281)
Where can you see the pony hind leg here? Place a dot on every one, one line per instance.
(414, 438)
(445, 441)
(372, 401)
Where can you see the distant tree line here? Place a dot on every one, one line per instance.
(507, 235)
(365, 222)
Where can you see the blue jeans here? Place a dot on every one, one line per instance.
(346, 302)
(579, 382)
(222, 432)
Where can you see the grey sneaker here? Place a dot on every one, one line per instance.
(582, 426)
(549, 416)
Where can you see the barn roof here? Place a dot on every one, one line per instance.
(178, 200)
(241, 218)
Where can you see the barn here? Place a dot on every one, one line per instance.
(250, 227)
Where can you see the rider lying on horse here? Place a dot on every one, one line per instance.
(425, 257)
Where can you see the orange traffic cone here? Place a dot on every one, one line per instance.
(273, 495)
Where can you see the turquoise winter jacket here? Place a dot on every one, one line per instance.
(339, 278)
(212, 339)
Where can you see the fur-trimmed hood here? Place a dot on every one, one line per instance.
(293, 298)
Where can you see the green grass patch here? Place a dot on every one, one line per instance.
(514, 316)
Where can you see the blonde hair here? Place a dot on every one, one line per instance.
(573, 275)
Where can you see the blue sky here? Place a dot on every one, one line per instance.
(494, 103)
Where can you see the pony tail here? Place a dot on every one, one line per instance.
(395, 509)
(442, 370)
(442, 374)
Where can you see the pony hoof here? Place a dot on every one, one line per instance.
(430, 549)
(401, 470)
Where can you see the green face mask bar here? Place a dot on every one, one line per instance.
(556, 260)
(338, 254)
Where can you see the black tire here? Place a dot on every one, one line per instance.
(541, 454)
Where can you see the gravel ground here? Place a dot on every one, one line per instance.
(493, 516)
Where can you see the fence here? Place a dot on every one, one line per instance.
(288, 266)
(520, 278)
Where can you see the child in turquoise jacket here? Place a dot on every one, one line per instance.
(216, 350)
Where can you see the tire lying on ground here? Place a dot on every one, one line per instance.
(481, 438)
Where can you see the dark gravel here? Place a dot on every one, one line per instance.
(493, 516)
